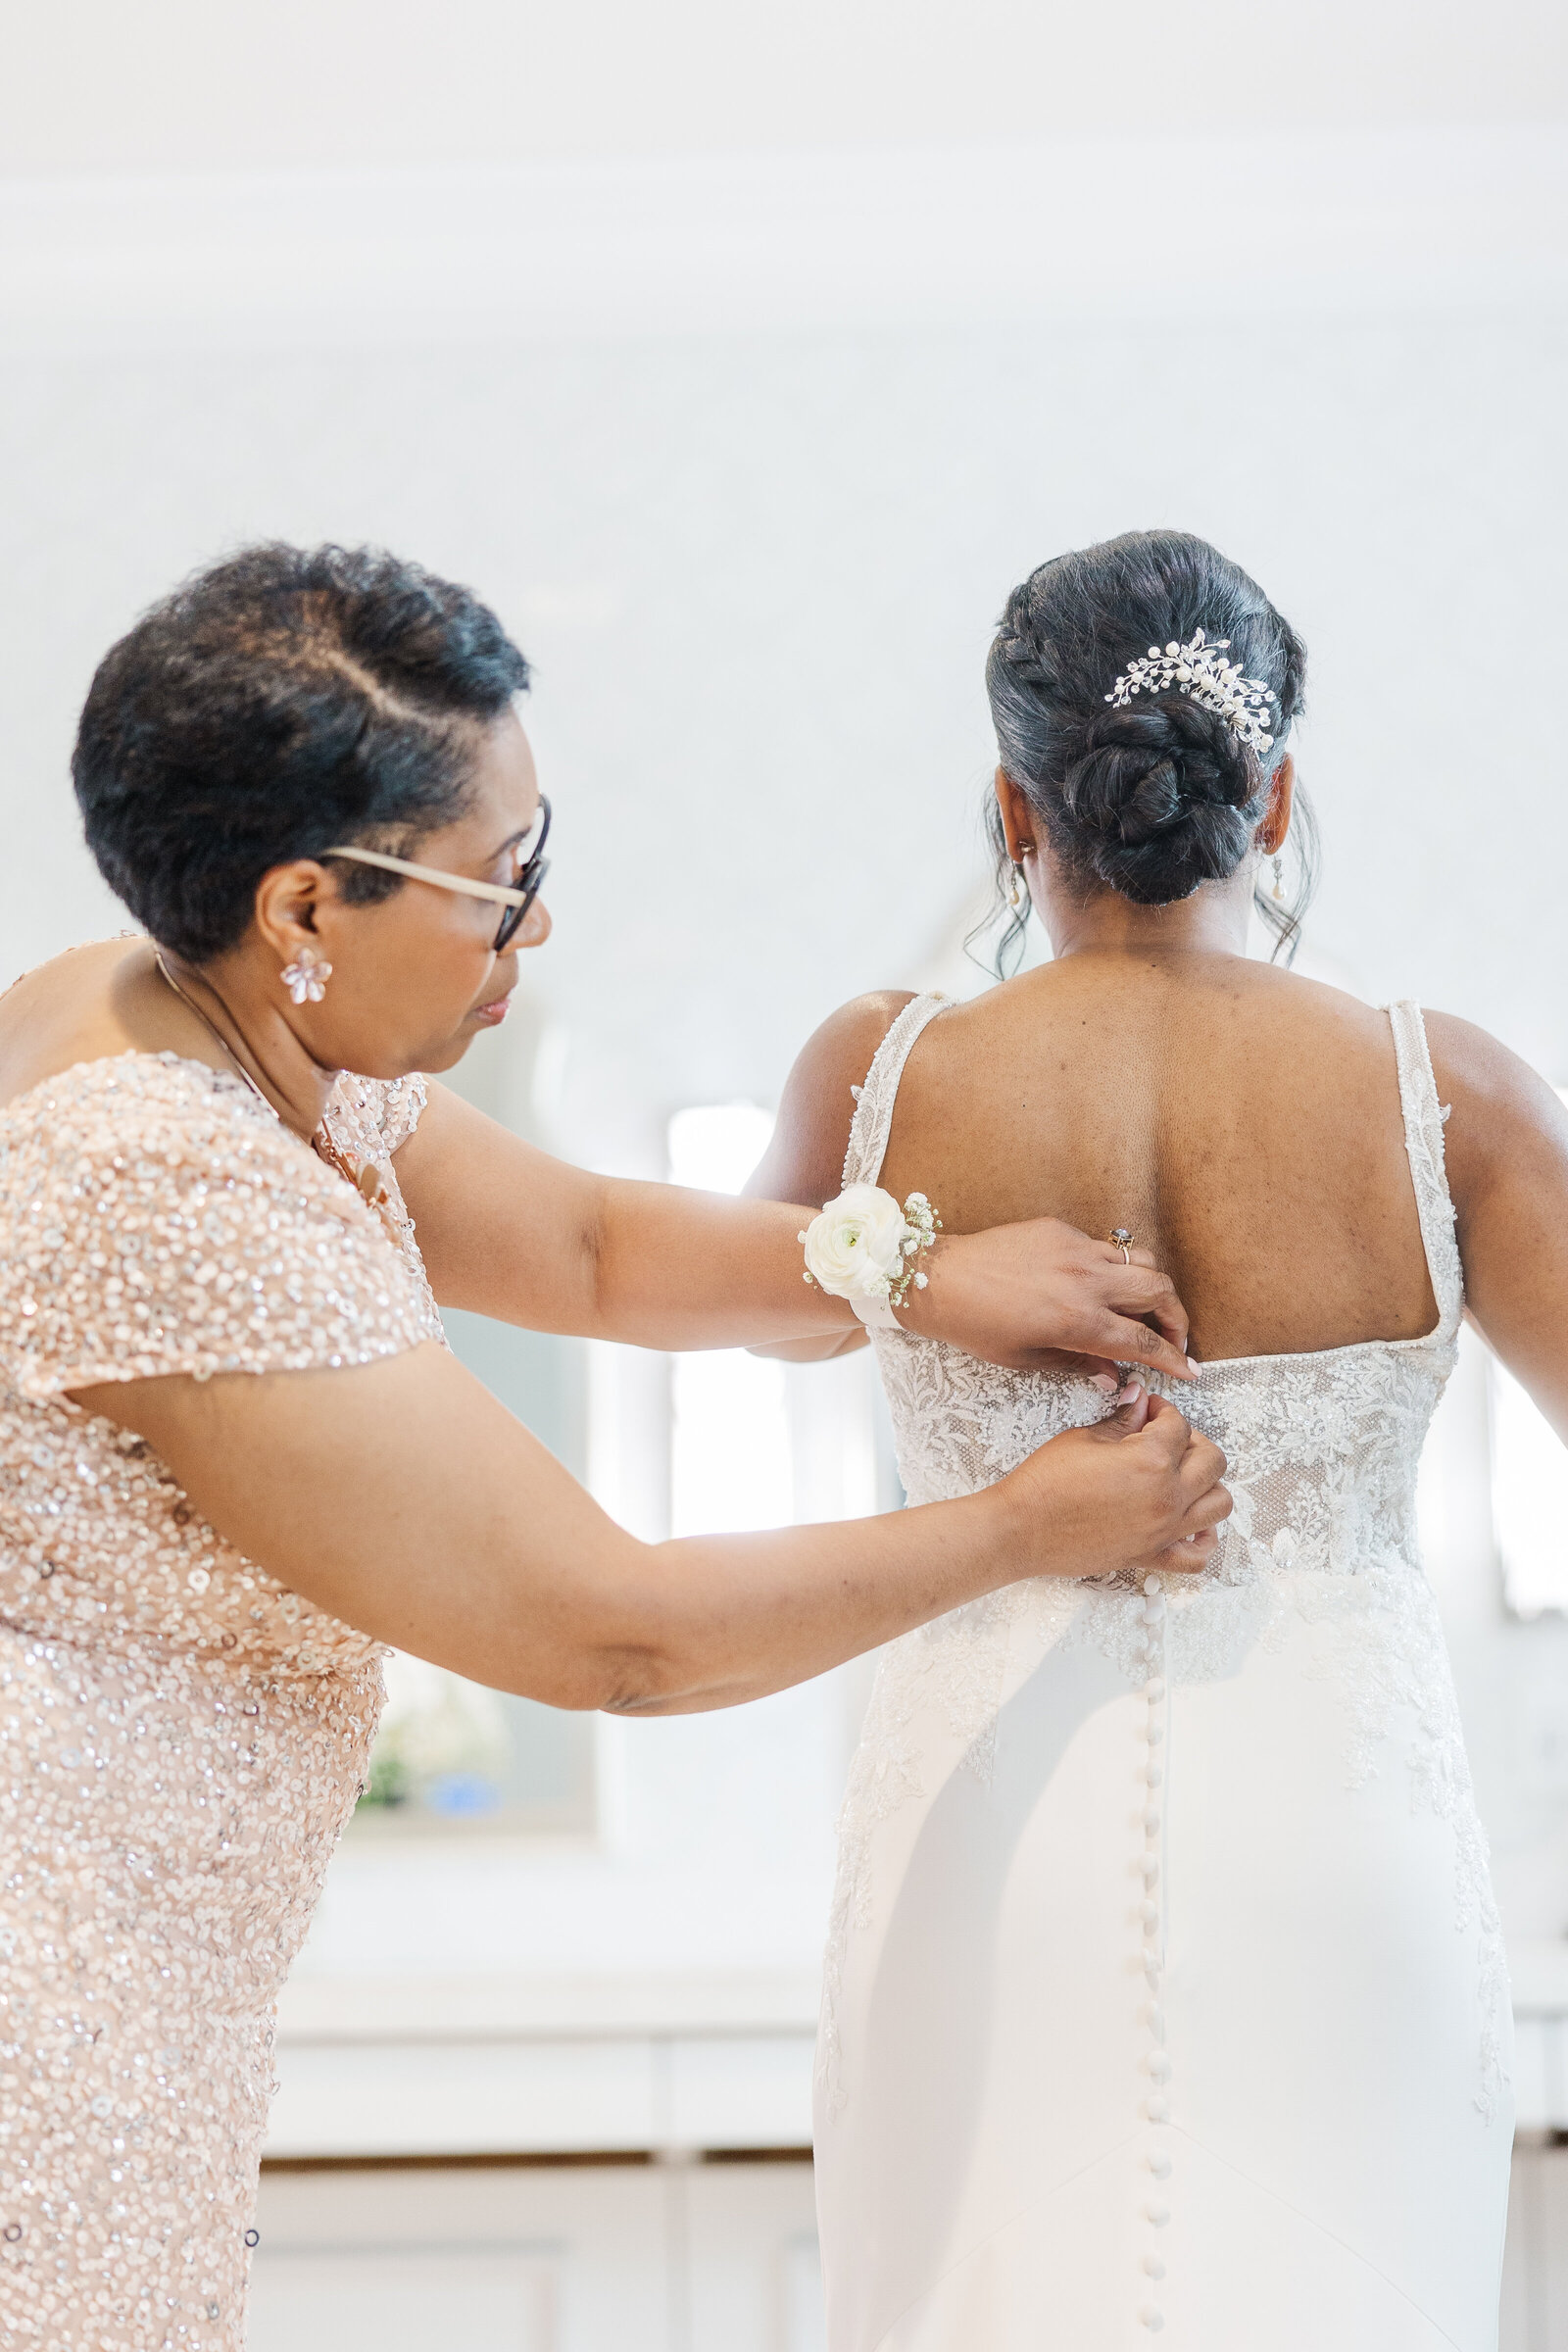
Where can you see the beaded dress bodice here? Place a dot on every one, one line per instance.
(183, 1738)
(1323, 1452)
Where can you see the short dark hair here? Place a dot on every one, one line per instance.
(278, 701)
(1156, 798)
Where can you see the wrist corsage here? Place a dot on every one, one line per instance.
(863, 1248)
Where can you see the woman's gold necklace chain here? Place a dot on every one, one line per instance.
(367, 1180)
(212, 1028)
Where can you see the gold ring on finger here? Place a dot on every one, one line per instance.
(1120, 1239)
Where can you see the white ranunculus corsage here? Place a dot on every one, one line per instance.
(864, 1246)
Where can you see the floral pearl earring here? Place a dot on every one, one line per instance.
(306, 978)
(1279, 880)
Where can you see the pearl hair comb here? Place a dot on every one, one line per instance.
(1197, 670)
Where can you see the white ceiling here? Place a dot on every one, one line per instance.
(1249, 228)
(205, 86)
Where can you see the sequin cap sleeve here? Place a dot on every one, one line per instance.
(155, 1218)
(390, 1108)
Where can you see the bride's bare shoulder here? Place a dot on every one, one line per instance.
(806, 1158)
(1502, 1115)
(1472, 1061)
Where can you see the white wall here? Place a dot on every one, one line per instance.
(749, 452)
(757, 569)
(176, 84)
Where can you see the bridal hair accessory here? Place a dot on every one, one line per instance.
(1197, 670)
(864, 1246)
(306, 978)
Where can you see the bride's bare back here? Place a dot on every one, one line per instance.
(1244, 1125)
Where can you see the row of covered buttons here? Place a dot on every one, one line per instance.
(1150, 1644)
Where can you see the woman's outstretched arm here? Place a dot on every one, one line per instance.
(1506, 1148)
(1107, 1309)
(404, 1499)
(509, 1231)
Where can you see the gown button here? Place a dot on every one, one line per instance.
(1153, 2320)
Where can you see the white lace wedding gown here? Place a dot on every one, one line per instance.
(1165, 1992)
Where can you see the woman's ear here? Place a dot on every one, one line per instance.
(287, 900)
(1276, 823)
(1018, 817)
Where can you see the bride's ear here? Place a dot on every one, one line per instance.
(1018, 817)
(1276, 823)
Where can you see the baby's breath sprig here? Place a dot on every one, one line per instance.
(921, 1225)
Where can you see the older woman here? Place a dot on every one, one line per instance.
(236, 1456)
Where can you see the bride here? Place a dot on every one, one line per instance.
(1166, 1989)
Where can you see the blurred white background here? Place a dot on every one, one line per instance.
(744, 360)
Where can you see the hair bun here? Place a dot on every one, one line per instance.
(1158, 793)
(1159, 799)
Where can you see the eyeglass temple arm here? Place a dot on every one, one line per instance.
(496, 892)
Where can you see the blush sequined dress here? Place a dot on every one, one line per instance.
(183, 1738)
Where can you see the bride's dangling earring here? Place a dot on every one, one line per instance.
(1016, 893)
(1278, 893)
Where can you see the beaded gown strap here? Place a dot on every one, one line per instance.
(874, 1101)
(1424, 1119)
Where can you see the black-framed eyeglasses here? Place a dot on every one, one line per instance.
(516, 901)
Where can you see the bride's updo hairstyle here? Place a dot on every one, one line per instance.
(1157, 796)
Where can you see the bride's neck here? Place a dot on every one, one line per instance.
(1211, 923)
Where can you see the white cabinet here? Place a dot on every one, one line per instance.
(1535, 2269)
(589, 2258)
(402, 2068)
